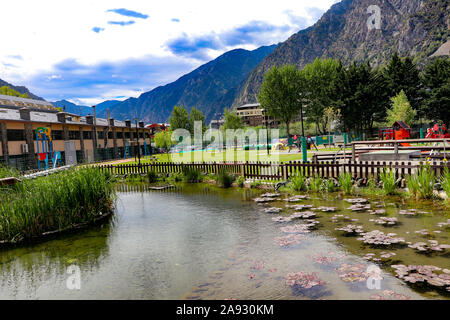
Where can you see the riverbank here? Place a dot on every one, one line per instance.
(35, 208)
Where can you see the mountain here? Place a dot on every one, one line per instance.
(210, 88)
(417, 28)
(85, 110)
(20, 89)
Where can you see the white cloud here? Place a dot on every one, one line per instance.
(47, 32)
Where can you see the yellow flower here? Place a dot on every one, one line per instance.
(445, 160)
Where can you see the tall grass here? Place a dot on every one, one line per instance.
(56, 202)
(445, 181)
(315, 184)
(345, 180)
(224, 179)
(388, 178)
(240, 181)
(192, 175)
(298, 182)
(421, 183)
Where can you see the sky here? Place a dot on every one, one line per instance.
(90, 51)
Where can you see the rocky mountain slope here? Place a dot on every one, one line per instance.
(210, 88)
(20, 89)
(411, 27)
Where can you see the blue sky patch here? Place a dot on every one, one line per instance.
(129, 13)
(97, 29)
(121, 23)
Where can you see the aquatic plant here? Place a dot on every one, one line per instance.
(240, 181)
(411, 212)
(326, 209)
(351, 230)
(377, 212)
(289, 240)
(300, 228)
(55, 202)
(324, 260)
(272, 210)
(431, 246)
(176, 177)
(385, 221)
(421, 183)
(282, 219)
(389, 295)
(346, 183)
(445, 180)
(298, 182)
(255, 184)
(378, 238)
(303, 215)
(152, 176)
(303, 280)
(359, 207)
(224, 179)
(315, 184)
(388, 179)
(270, 195)
(356, 200)
(297, 198)
(263, 200)
(299, 207)
(383, 257)
(352, 272)
(329, 185)
(433, 276)
(192, 175)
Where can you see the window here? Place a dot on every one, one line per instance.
(127, 135)
(87, 135)
(57, 135)
(100, 135)
(110, 135)
(16, 135)
(74, 135)
(119, 135)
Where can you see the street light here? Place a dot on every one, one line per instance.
(266, 120)
(137, 139)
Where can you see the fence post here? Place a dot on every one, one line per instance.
(285, 177)
(242, 169)
(353, 152)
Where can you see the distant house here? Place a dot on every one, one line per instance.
(253, 115)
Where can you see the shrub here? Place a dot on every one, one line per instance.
(315, 184)
(387, 176)
(192, 175)
(346, 183)
(255, 184)
(426, 180)
(152, 176)
(413, 185)
(224, 179)
(329, 186)
(240, 181)
(298, 182)
(445, 181)
(176, 177)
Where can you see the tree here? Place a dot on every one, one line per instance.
(232, 121)
(401, 110)
(436, 79)
(363, 97)
(179, 118)
(280, 94)
(196, 115)
(11, 92)
(321, 79)
(402, 74)
(163, 140)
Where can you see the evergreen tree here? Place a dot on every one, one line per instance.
(436, 79)
(401, 110)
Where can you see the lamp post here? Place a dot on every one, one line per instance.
(137, 140)
(266, 120)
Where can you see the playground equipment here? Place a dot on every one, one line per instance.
(438, 131)
(44, 141)
(279, 146)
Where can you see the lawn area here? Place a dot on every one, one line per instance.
(234, 155)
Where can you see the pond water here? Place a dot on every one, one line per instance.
(200, 242)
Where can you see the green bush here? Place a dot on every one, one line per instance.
(192, 175)
(255, 184)
(298, 182)
(329, 186)
(445, 181)
(176, 177)
(387, 176)
(315, 184)
(346, 183)
(426, 180)
(152, 176)
(54, 203)
(224, 179)
(240, 181)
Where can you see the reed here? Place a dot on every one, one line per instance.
(224, 179)
(445, 181)
(315, 184)
(345, 180)
(52, 203)
(298, 182)
(388, 178)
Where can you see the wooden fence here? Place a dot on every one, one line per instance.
(277, 171)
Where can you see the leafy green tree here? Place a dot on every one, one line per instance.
(436, 79)
(196, 115)
(363, 97)
(402, 74)
(401, 110)
(280, 94)
(5, 90)
(232, 121)
(163, 140)
(322, 81)
(179, 118)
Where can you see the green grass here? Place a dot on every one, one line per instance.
(239, 155)
(33, 207)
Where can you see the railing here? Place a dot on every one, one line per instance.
(277, 171)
